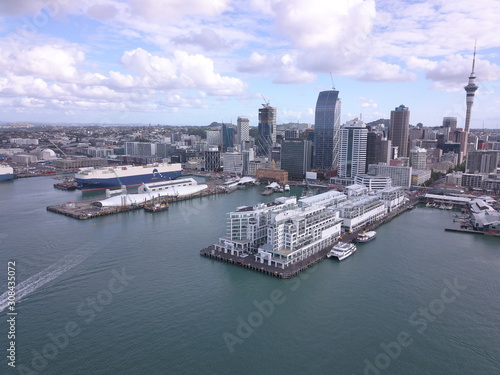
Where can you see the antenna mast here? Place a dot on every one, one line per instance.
(331, 77)
(474, 58)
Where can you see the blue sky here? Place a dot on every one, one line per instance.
(192, 62)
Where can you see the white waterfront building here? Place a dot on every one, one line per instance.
(247, 226)
(280, 233)
(283, 232)
(392, 197)
(297, 234)
(357, 214)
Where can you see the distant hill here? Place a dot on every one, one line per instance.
(384, 121)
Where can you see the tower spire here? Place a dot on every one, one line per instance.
(474, 58)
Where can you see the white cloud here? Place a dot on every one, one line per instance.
(173, 10)
(379, 71)
(182, 71)
(367, 103)
(48, 61)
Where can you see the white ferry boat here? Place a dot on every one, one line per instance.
(342, 250)
(366, 236)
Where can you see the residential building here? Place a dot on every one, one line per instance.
(482, 161)
(418, 158)
(243, 125)
(392, 197)
(352, 156)
(357, 214)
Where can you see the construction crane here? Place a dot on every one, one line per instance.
(265, 100)
(62, 152)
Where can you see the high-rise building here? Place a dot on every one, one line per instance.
(213, 137)
(233, 163)
(400, 126)
(267, 129)
(352, 155)
(450, 122)
(482, 162)
(243, 125)
(212, 160)
(378, 149)
(418, 158)
(296, 157)
(227, 137)
(470, 89)
(326, 130)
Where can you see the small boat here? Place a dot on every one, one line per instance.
(366, 236)
(287, 187)
(156, 207)
(342, 250)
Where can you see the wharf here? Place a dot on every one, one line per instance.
(296, 268)
(463, 230)
(88, 210)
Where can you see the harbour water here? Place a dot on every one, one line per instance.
(130, 294)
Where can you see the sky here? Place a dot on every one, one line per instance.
(193, 62)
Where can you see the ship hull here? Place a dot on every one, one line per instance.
(6, 177)
(129, 181)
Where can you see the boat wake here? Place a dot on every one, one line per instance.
(31, 284)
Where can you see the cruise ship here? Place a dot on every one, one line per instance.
(342, 250)
(128, 175)
(6, 172)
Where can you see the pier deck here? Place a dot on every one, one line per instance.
(86, 210)
(296, 268)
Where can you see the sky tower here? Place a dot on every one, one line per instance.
(470, 89)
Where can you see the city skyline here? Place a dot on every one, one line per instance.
(123, 62)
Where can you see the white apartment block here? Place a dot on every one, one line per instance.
(297, 234)
(400, 176)
(392, 197)
(361, 212)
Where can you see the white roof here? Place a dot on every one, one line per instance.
(447, 198)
